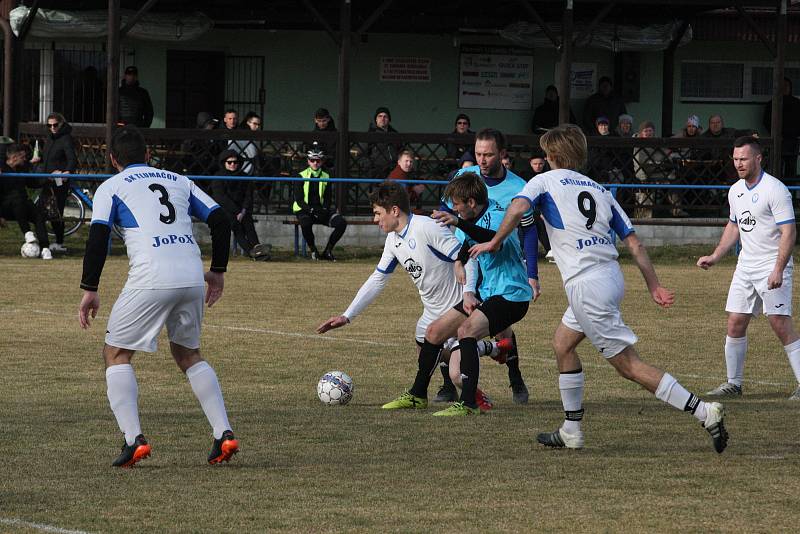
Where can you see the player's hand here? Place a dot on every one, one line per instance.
(706, 262)
(444, 218)
(480, 248)
(90, 303)
(460, 272)
(663, 297)
(535, 287)
(775, 280)
(470, 302)
(216, 283)
(334, 322)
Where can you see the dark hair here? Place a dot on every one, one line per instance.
(13, 148)
(230, 110)
(465, 186)
(748, 140)
(321, 113)
(390, 193)
(57, 116)
(128, 146)
(490, 134)
(465, 117)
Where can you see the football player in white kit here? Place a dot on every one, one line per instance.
(427, 252)
(762, 218)
(581, 217)
(165, 286)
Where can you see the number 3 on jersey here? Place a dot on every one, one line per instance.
(587, 205)
(169, 218)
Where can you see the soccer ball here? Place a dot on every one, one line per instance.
(30, 250)
(335, 387)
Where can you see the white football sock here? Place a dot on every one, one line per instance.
(674, 394)
(123, 395)
(487, 348)
(206, 388)
(793, 352)
(571, 387)
(735, 353)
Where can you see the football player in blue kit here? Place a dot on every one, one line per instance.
(581, 218)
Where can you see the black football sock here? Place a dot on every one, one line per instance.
(446, 376)
(514, 374)
(470, 369)
(428, 357)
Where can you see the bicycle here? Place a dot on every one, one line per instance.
(77, 210)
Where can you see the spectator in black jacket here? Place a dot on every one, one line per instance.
(15, 203)
(462, 127)
(235, 197)
(323, 122)
(545, 116)
(790, 130)
(135, 106)
(58, 158)
(382, 155)
(603, 103)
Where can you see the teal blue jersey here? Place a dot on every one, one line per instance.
(503, 272)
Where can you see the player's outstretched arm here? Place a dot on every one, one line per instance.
(336, 321)
(90, 304)
(514, 213)
(729, 238)
(215, 284)
(661, 295)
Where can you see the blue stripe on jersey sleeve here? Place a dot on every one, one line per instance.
(121, 215)
(389, 268)
(454, 251)
(618, 224)
(199, 209)
(550, 211)
(441, 256)
(787, 221)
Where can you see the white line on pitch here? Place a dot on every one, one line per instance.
(378, 343)
(38, 526)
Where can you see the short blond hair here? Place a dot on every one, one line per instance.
(565, 146)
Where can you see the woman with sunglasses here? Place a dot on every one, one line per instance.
(58, 157)
(235, 197)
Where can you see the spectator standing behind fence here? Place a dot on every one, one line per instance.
(323, 122)
(602, 165)
(249, 149)
(313, 204)
(201, 154)
(603, 103)
(15, 203)
(456, 150)
(403, 171)
(648, 165)
(720, 162)
(235, 197)
(790, 130)
(382, 156)
(624, 126)
(135, 106)
(545, 116)
(58, 157)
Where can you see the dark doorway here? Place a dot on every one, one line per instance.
(195, 83)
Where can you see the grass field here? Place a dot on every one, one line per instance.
(305, 467)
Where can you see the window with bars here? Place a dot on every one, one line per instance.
(731, 81)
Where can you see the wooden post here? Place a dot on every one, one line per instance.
(112, 74)
(777, 91)
(8, 77)
(343, 143)
(668, 80)
(566, 65)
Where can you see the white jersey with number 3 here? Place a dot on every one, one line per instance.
(759, 212)
(155, 209)
(580, 216)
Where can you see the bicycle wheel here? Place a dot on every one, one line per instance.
(74, 213)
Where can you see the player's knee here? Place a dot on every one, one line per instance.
(434, 334)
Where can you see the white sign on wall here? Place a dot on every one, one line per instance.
(582, 79)
(405, 69)
(493, 77)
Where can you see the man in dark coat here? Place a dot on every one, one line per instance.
(135, 106)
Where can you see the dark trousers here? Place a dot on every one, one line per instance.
(307, 220)
(244, 232)
(24, 212)
(60, 192)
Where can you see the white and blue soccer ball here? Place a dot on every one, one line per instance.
(335, 387)
(30, 250)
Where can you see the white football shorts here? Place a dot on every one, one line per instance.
(594, 299)
(749, 294)
(139, 315)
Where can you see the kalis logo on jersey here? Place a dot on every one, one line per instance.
(413, 268)
(747, 222)
(172, 239)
